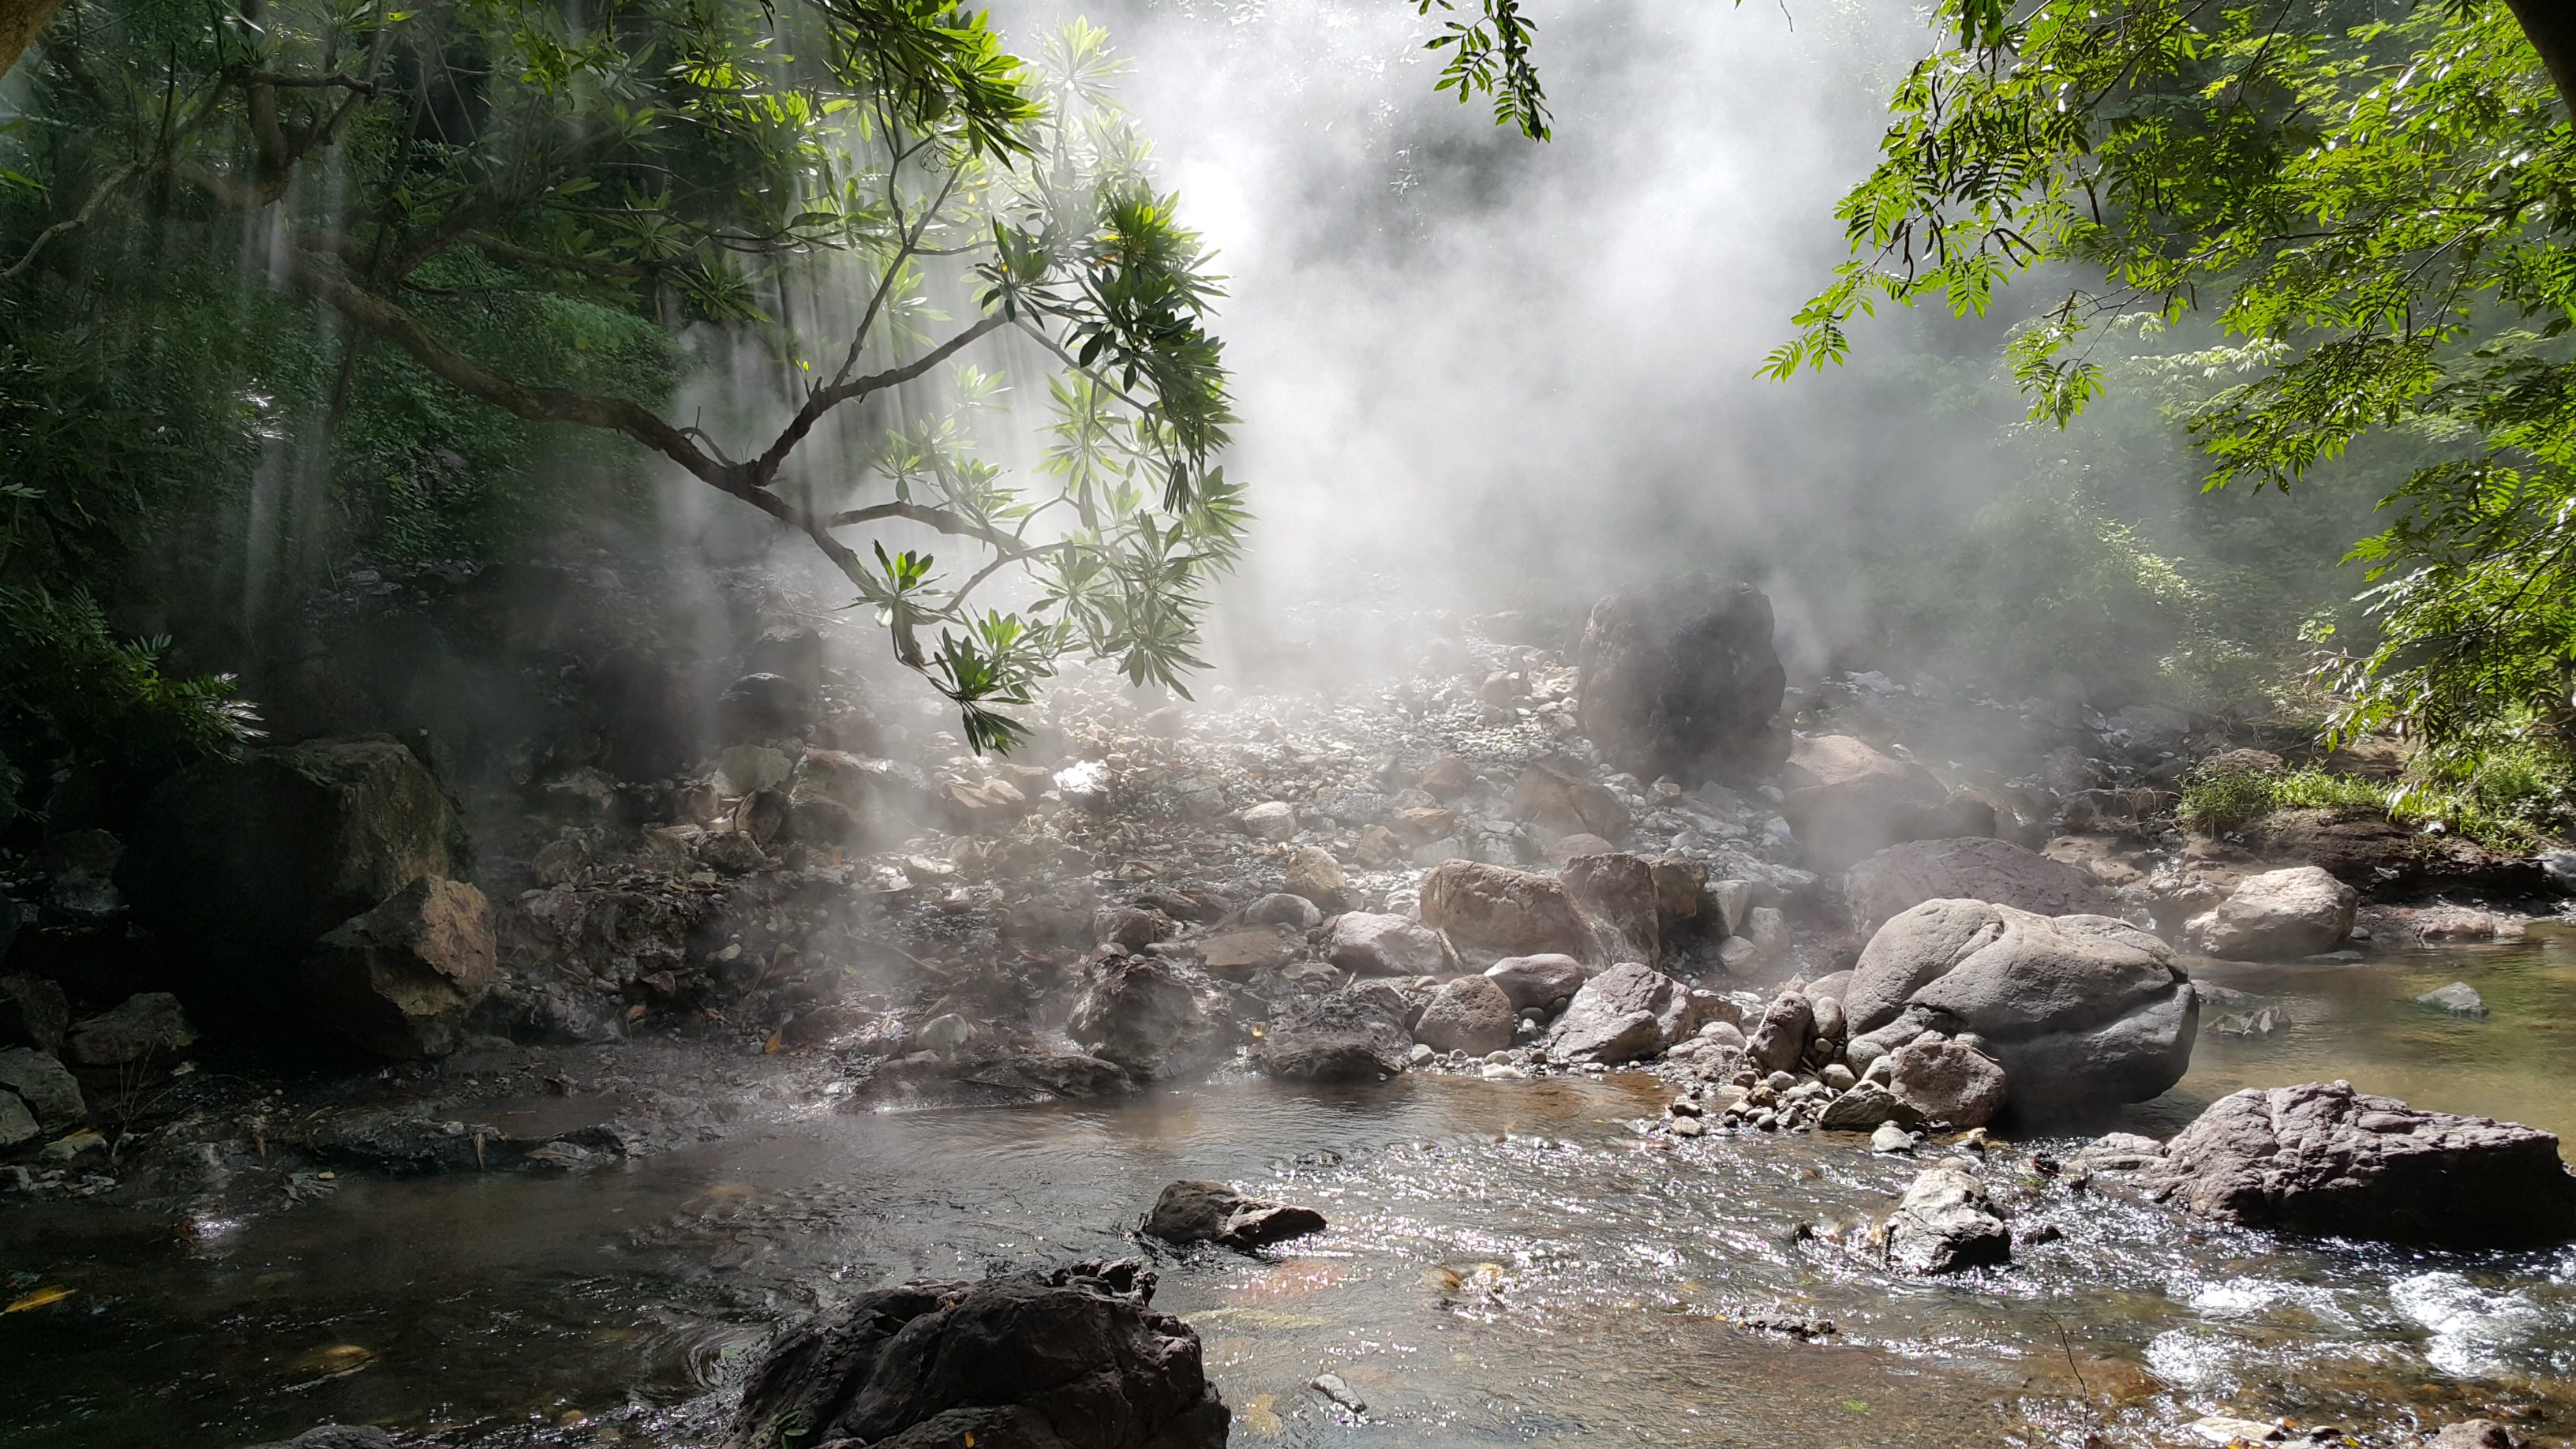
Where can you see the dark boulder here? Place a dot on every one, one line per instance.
(2322, 1158)
(1211, 1212)
(764, 706)
(34, 1012)
(1681, 678)
(1073, 1359)
(147, 1030)
(1353, 1035)
(51, 1095)
(337, 1436)
(1147, 1015)
(400, 980)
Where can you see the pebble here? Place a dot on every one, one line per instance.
(1332, 1387)
(1891, 1138)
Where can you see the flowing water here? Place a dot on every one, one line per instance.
(1509, 1263)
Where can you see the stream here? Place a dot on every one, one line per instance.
(1508, 1263)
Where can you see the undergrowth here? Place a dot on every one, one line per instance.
(2510, 798)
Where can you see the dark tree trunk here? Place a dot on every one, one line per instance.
(2551, 24)
(20, 20)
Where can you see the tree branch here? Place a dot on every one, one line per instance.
(823, 400)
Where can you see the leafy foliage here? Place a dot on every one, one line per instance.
(71, 689)
(2506, 799)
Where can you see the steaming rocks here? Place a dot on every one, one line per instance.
(1908, 874)
(1144, 1014)
(1504, 911)
(1072, 1359)
(2279, 915)
(400, 980)
(2322, 1158)
(1681, 678)
(1352, 1035)
(1211, 1212)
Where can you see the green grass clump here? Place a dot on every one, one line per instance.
(2507, 799)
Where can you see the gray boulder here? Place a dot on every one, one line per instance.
(1472, 1014)
(1780, 1038)
(1946, 1224)
(17, 1124)
(51, 1095)
(1498, 909)
(1145, 1014)
(1969, 869)
(1367, 944)
(2322, 1158)
(1627, 1013)
(2082, 1012)
(1865, 1107)
(2279, 915)
(1352, 1035)
(1545, 982)
(400, 980)
(1947, 1081)
(1681, 678)
(1211, 1212)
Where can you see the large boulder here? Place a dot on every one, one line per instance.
(1072, 1359)
(400, 980)
(1681, 678)
(1628, 1013)
(1498, 909)
(1946, 1224)
(1147, 1015)
(1916, 871)
(1845, 798)
(252, 859)
(51, 1095)
(1211, 1212)
(1947, 1081)
(34, 1011)
(2323, 1158)
(2083, 1012)
(1780, 1038)
(1558, 804)
(1472, 1014)
(1351, 1035)
(1620, 895)
(1544, 981)
(1366, 943)
(2279, 915)
(145, 1032)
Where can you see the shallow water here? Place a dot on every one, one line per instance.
(1509, 1263)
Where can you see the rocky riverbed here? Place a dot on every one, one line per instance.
(1882, 958)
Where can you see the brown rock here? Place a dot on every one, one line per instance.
(1472, 1014)
(1314, 874)
(400, 980)
(1619, 893)
(1947, 1082)
(1506, 911)
(1546, 982)
(1558, 803)
(1448, 778)
(1907, 875)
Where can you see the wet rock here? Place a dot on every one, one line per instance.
(51, 1096)
(1545, 982)
(1946, 1224)
(2226, 1432)
(1367, 944)
(1509, 912)
(2083, 1012)
(1072, 1359)
(2474, 1434)
(1073, 1075)
(1279, 908)
(1269, 820)
(1618, 892)
(610, 936)
(2322, 1158)
(33, 1011)
(1343, 1037)
(1211, 1212)
(1236, 955)
(1146, 1015)
(400, 980)
(1889, 1137)
(2279, 915)
(1846, 800)
(1132, 927)
(1947, 1082)
(1681, 678)
(1315, 875)
(1780, 1038)
(2459, 999)
(336, 1436)
(1472, 1014)
(1559, 805)
(1627, 1013)
(764, 706)
(1911, 873)
(1448, 778)
(253, 859)
(147, 1029)
(1865, 1107)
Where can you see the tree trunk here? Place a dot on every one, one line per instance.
(2551, 24)
(20, 20)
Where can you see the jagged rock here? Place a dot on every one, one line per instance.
(1506, 911)
(2322, 1158)
(51, 1094)
(1366, 944)
(1071, 1359)
(1916, 871)
(33, 1011)
(1132, 927)
(1681, 897)
(400, 980)
(1236, 955)
(1269, 820)
(1346, 1036)
(1314, 874)
(2083, 1012)
(612, 936)
(1558, 804)
(1946, 1224)
(1947, 1082)
(1472, 1014)
(147, 1029)
(2279, 915)
(1211, 1212)
(730, 852)
(1144, 1014)
(253, 859)
(764, 706)
(1865, 1107)
(1618, 893)
(1627, 1013)
(1545, 982)
(1681, 678)
(1776, 1043)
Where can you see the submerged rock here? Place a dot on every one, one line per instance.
(1681, 678)
(2322, 1158)
(1946, 1224)
(400, 980)
(1072, 1359)
(1211, 1212)
(2459, 999)
(2279, 915)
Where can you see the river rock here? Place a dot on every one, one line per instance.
(1496, 908)
(1681, 678)
(2474, 1434)
(400, 980)
(51, 1094)
(1916, 871)
(1562, 806)
(145, 1030)
(34, 1012)
(1072, 1359)
(1946, 1224)
(1269, 820)
(1619, 893)
(336, 1436)
(1947, 1082)
(1346, 1036)
(253, 859)
(1238, 955)
(1472, 1014)
(1314, 874)
(1544, 982)
(1143, 1013)
(1627, 1013)
(2083, 1012)
(1368, 944)
(1845, 799)
(1865, 1107)
(2279, 915)
(1211, 1212)
(2322, 1158)
(1776, 1043)
(2459, 999)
